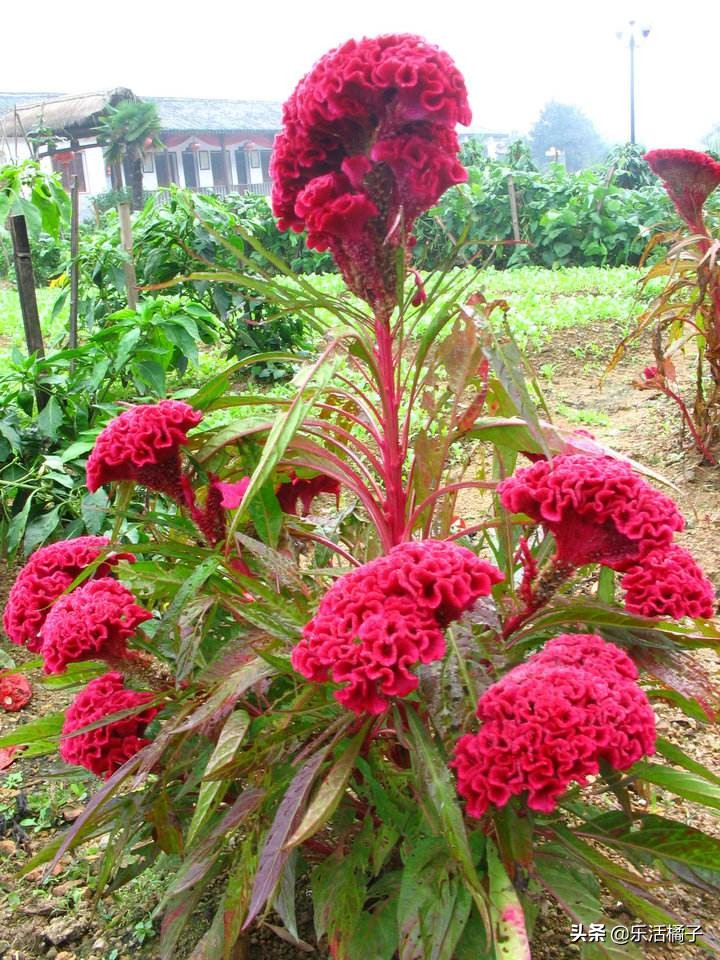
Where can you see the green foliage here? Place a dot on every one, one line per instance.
(43, 450)
(565, 219)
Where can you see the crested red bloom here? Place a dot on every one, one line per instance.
(305, 490)
(549, 723)
(598, 510)
(46, 575)
(689, 178)
(92, 622)
(15, 692)
(143, 445)
(105, 749)
(368, 143)
(380, 620)
(668, 583)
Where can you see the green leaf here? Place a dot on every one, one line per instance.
(666, 839)
(435, 779)
(338, 887)
(433, 905)
(330, 791)
(188, 590)
(40, 729)
(94, 510)
(152, 374)
(578, 893)
(39, 529)
(675, 755)
(50, 418)
(283, 430)
(680, 782)
(266, 514)
(506, 912)
(212, 791)
(16, 527)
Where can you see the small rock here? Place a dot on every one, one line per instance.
(51, 953)
(66, 929)
(64, 888)
(100, 944)
(71, 813)
(66, 955)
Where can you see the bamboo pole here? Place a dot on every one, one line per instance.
(74, 269)
(129, 263)
(514, 209)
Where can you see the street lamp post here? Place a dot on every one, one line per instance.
(633, 35)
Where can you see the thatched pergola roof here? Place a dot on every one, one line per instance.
(72, 116)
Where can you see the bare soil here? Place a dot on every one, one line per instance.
(639, 424)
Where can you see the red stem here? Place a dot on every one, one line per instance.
(393, 454)
(689, 421)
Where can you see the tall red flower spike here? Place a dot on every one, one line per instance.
(105, 749)
(368, 143)
(15, 692)
(689, 178)
(380, 620)
(143, 444)
(598, 510)
(46, 575)
(668, 583)
(93, 622)
(549, 723)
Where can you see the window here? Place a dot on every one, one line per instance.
(148, 163)
(204, 159)
(255, 159)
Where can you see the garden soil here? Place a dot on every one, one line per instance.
(55, 918)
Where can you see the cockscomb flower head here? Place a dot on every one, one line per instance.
(143, 445)
(597, 508)
(105, 749)
(668, 583)
(46, 575)
(689, 177)
(549, 723)
(380, 620)
(15, 692)
(368, 143)
(93, 622)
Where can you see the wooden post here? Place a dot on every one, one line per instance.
(514, 209)
(74, 269)
(26, 292)
(127, 245)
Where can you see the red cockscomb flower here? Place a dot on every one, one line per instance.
(46, 575)
(92, 622)
(549, 723)
(689, 178)
(15, 692)
(668, 583)
(305, 491)
(383, 618)
(105, 749)
(598, 510)
(368, 143)
(143, 444)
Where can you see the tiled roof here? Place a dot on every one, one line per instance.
(183, 113)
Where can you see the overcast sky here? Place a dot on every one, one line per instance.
(515, 54)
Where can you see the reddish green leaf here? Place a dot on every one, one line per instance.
(506, 912)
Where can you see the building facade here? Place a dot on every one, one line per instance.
(212, 146)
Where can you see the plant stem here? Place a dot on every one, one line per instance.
(393, 454)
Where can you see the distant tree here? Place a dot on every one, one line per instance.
(565, 130)
(126, 132)
(712, 140)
